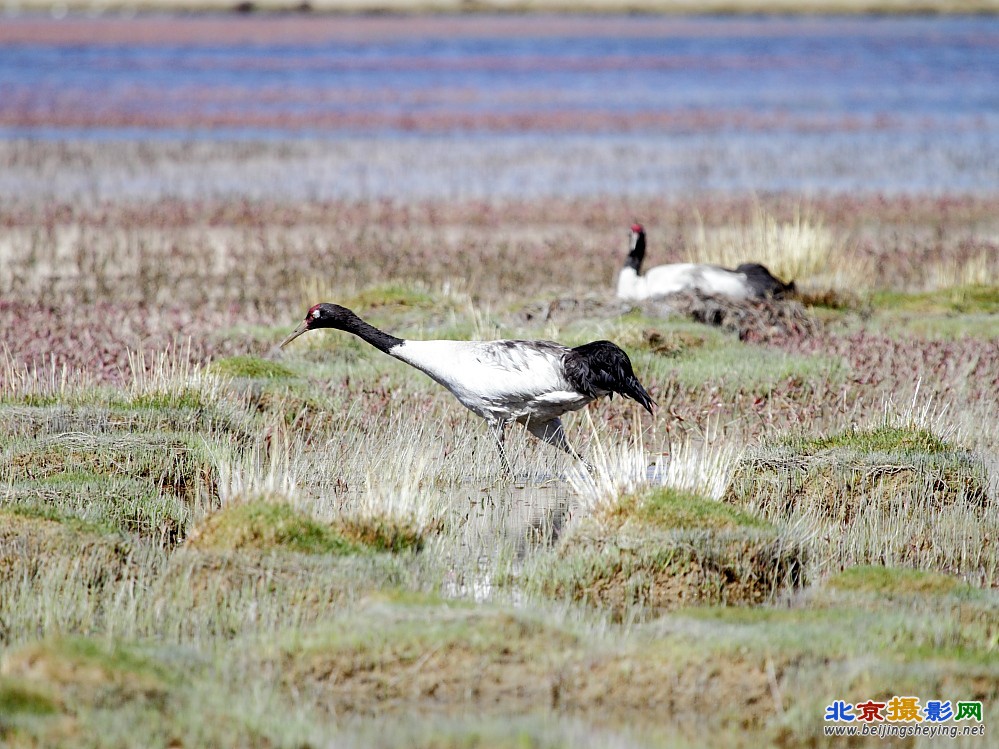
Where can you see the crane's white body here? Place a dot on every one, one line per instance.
(501, 381)
(676, 277)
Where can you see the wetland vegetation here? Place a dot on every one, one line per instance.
(206, 542)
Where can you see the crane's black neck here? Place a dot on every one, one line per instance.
(637, 254)
(378, 338)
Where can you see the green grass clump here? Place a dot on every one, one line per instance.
(91, 671)
(269, 525)
(958, 299)
(384, 534)
(666, 508)
(19, 698)
(859, 470)
(884, 439)
(169, 461)
(144, 483)
(666, 549)
(885, 581)
(893, 496)
(251, 368)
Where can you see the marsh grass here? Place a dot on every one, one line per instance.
(664, 548)
(891, 494)
(209, 543)
(803, 249)
(267, 524)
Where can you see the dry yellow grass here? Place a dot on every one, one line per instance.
(803, 249)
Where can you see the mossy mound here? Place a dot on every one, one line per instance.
(84, 671)
(859, 471)
(144, 483)
(266, 525)
(445, 657)
(30, 542)
(894, 582)
(882, 439)
(171, 462)
(384, 534)
(673, 509)
(669, 549)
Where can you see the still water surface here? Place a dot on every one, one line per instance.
(897, 103)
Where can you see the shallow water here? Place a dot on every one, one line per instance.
(494, 529)
(474, 107)
(554, 74)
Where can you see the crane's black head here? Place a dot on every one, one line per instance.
(602, 366)
(323, 315)
(637, 248)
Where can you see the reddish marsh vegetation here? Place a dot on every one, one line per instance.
(83, 284)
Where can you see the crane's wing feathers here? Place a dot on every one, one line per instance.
(524, 379)
(528, 370)
(519, 356)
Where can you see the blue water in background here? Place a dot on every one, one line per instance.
(767, 103)
(902, 69)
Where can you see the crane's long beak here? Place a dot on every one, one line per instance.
(303, 328)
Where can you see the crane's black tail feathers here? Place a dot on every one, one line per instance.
(603, 366)
(764, 283)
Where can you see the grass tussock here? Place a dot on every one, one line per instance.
(871, 471)
(881, 439)
(887, 582)
(896, 495)
(673, 509)
(147, 484)
(458, 655)
(77, 669)
(663, 549)
(265, 525)
(30, 539)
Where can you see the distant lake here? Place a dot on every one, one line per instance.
(906, 86)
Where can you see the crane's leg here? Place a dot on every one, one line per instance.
(553, 433)
(498, 429)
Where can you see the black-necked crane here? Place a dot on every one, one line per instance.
(748, 281)
(531, 382)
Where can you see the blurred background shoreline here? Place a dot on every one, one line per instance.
(471, 107)
(473, 7)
